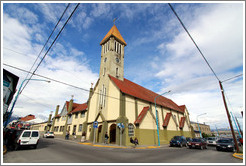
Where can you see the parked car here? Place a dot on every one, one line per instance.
(49, 134)
(27, 138)
(10, 136)
(212, 140)
(178, 141)
(188, 139)
(225, 144)
(198, 143)
(240, 140)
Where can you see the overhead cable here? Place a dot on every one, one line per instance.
(45, 45)
(193, 41)
(54, 41)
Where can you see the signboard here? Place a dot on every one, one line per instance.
(121, 125)
(6, 84)
(95, 124)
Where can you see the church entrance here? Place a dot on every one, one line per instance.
(99, 133)
(112, 134)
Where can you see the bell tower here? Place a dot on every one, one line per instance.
(112, 55)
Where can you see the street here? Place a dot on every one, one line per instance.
(63, 151)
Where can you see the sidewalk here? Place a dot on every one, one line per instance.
(239, 155)
(71, 139)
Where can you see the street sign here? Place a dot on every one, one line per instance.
(121, 125)
(95, 124)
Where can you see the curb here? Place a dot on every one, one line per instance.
(120, 147)
(238, 155)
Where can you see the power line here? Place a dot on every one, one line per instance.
(70, 84)
(52, 43)
(193, 40)
(45, 45)
(232, 78)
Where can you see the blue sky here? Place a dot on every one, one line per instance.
(159, 54)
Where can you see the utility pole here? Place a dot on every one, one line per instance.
(229, 117)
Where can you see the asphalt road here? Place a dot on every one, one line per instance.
(62, 151)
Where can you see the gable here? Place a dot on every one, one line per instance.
(64, 110)
(167, 119)
(141, 115)
(182, 122)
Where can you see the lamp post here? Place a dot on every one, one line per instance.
(17, 95)
(157, 116)
(198, 123)
(236, 125)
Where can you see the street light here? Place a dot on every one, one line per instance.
(157, 116)
(198, 123)
(17, 95)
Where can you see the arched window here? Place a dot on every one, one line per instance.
(130, 130)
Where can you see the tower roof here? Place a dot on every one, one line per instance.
(113, 32)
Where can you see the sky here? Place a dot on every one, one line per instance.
(159, 54)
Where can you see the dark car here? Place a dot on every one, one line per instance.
(178, 141)
(225, 144)
(188, 139)
(10, 136)
(198, 143)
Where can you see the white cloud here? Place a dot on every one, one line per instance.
(64, 63)
(218, 31)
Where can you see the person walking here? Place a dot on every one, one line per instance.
(74, 135)
(67, 135)
(106, 138)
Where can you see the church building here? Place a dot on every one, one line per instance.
(116, 102)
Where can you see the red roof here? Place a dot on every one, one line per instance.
(141, 115)
(140, 92)
(27, 118)
(182, 108)
(181, 123)
(166, 120)
(57, 116)
(78, 107)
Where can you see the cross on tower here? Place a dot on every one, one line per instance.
(114, 20)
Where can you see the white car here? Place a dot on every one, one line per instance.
(49, 134)
(28, 138)
(212, 140)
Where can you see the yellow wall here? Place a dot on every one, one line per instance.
(130, 109)
(93, 105)
(113, 102)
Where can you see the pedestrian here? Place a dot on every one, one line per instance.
(83, 137)
(106, 138)
(67, 135)
(74, 135)
(136, 141)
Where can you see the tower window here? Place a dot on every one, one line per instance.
(105, 59)
(104, 71)
(104, 100)
(117, 72)
(114, 45)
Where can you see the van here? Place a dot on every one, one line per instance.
(28, 138)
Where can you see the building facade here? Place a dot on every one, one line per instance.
(116, 100)
(70, 119)
(9, 88)
(203, 127)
